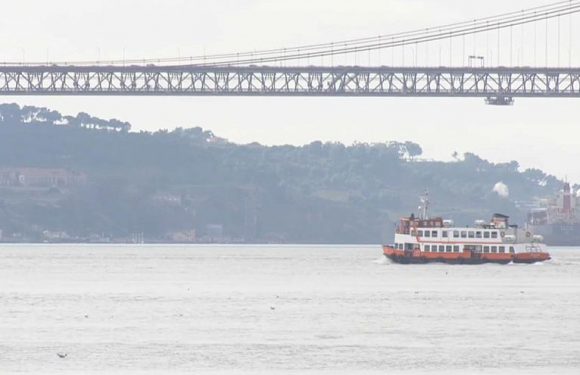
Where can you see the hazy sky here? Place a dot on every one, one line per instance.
(537, 133)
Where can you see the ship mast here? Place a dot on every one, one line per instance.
(424, 207)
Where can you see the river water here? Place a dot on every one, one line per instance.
(281, 310)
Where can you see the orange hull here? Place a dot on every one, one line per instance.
(531, 257)
(467, 257)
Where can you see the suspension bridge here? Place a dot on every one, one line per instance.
(527, 53)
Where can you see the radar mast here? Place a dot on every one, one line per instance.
(424, 207)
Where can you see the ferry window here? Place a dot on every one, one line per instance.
(420, 233)
(427, 233)
(471, 234)
(413, 232)
(485, 234)
(449, 248)
(494, 234)
(463, 234)
(400, 246)
(444, 234)
(486, 249)
(434, 234)
(512, 249)
(456, 248)
(441, 248)
(478, 234)
(494, 249)
(502, 249)
(427, 248)
(455, 234)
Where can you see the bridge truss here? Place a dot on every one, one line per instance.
(498, 85)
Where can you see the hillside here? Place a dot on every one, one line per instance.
(84, 178)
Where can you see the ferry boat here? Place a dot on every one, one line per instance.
(426, 239)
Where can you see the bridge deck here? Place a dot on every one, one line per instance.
(498, 82)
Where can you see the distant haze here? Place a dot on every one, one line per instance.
(537, 133)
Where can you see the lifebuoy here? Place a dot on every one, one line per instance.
(528, 234)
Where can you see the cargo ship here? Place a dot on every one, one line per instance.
(556, 219)
(426, 239)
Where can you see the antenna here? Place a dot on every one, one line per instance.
(424, 207)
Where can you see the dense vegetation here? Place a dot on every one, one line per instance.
(170, 181)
